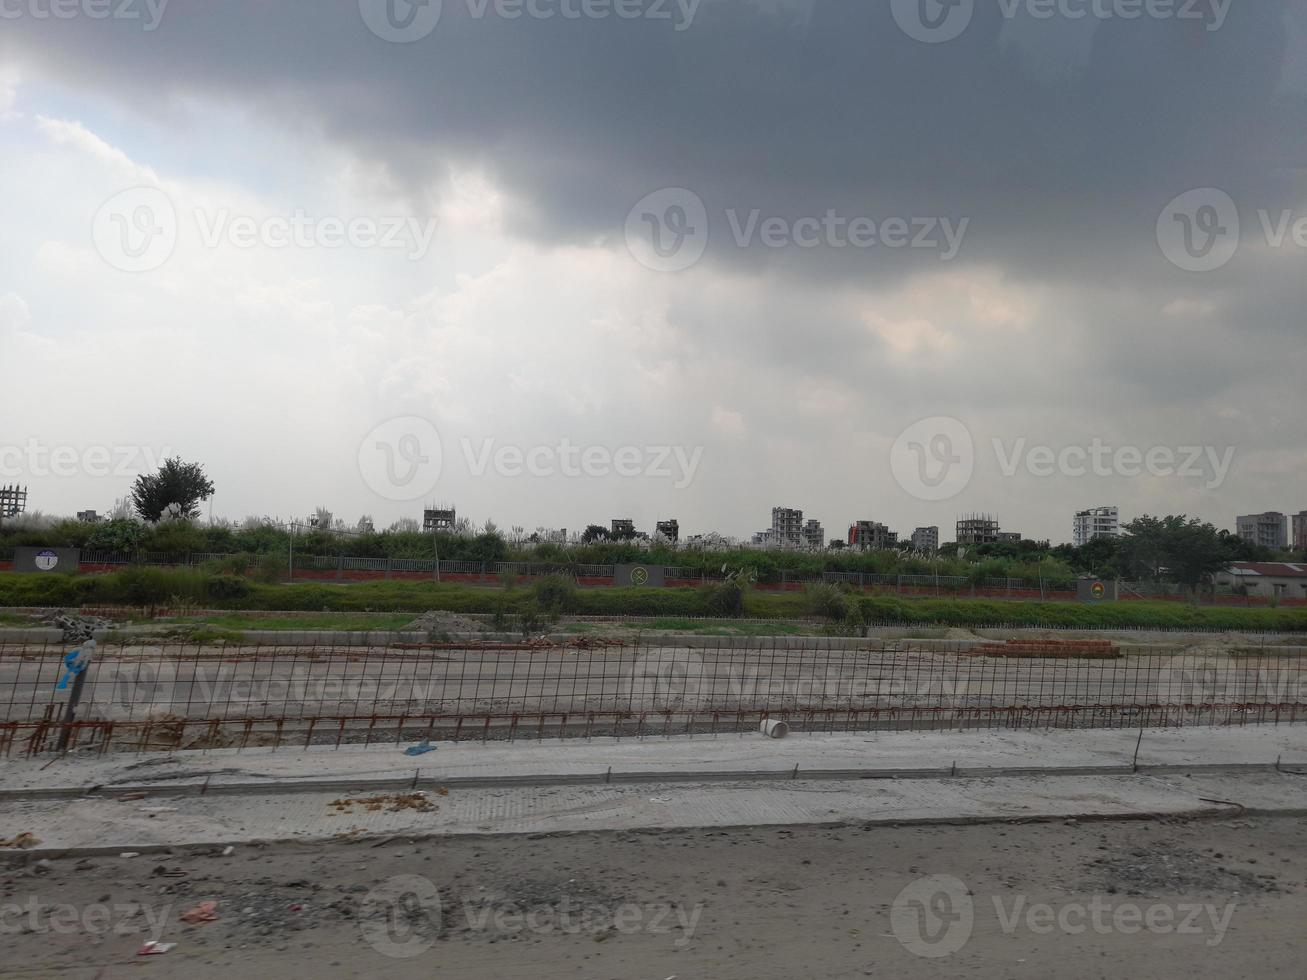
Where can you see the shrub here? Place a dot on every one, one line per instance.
(554, 594)
(224, 587)
(121, 537)
(271, 568)
(237, 564)
(826, 601)
(725, 599)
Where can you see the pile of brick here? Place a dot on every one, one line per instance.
(1054, 649)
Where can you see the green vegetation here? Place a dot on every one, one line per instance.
(176, 491)
(1125, 615)
(1173, 549)
(550, 600)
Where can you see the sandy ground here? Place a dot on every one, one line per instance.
(1186, 899)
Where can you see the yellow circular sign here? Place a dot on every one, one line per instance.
(639, 575)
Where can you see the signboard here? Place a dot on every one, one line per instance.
(1096, 590)
(45, 560)
(638, 575)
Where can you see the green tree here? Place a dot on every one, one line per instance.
(1181, 549)
(594, 532)
(177, 488)
(1099, 556)
(119, 536)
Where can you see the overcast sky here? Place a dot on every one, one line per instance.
(883, 260)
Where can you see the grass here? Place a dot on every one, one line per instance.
(674, 607)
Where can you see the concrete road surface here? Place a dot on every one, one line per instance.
(1205, 899)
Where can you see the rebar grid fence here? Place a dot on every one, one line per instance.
(158, 696)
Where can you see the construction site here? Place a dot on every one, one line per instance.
(362, 773)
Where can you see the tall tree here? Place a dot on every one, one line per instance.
(1178, 548)
(176, 489)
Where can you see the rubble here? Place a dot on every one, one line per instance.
(389, 802)
(77, 629)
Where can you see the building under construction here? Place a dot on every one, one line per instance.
(977, 529)
(13, 501)
(669, 529)
(871, 534)
(438, 519)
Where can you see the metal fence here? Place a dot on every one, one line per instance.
(152, 697)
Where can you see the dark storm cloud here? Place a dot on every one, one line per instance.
(791, 110)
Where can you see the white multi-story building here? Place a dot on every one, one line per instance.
(926, 538)
(814, 535)
(786, 527)
(1097, 522)
(1271, 530)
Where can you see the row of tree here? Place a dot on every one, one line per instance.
(1174, 549)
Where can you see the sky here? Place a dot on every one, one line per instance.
(562, 261)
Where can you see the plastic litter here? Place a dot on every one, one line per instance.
(204, 912)
(421, 748)
(153, 948)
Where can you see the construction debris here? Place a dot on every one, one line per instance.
(389, 802)
(204, 912)
(77, 629)
(1049, 649)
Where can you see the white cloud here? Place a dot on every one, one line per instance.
(728, 422)
(1182, 307)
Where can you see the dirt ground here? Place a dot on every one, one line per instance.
(1155, 899)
